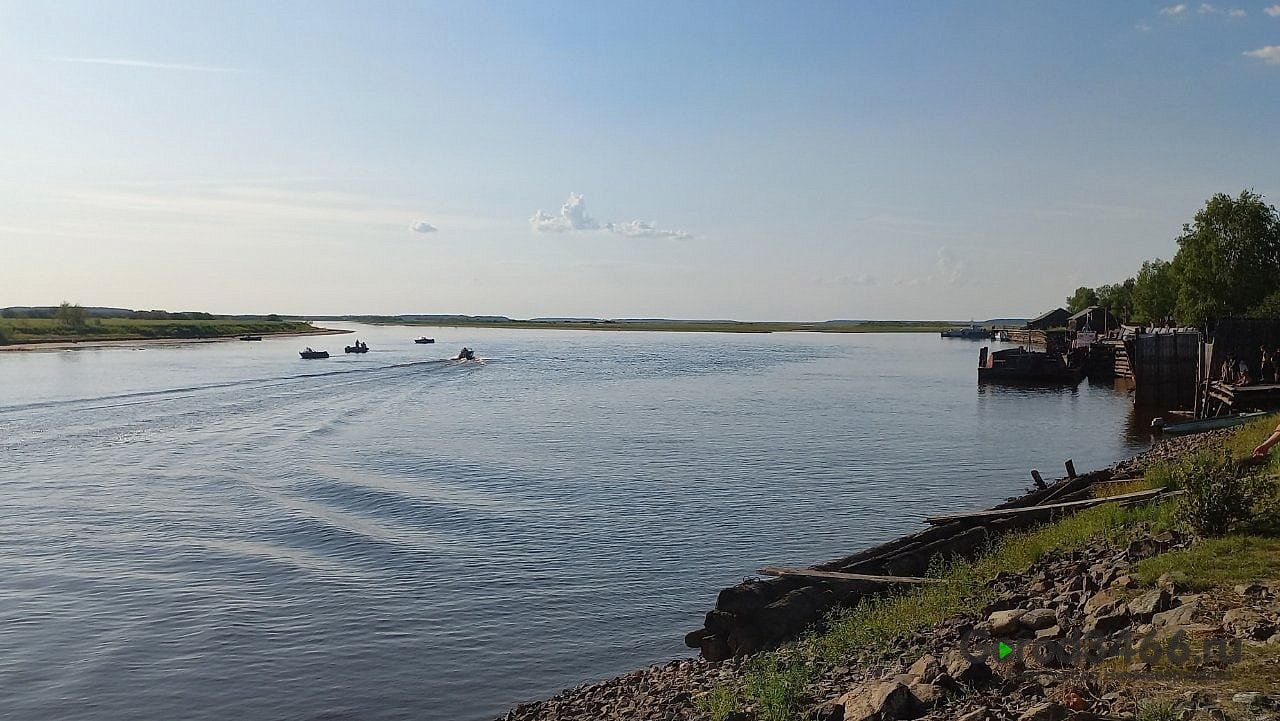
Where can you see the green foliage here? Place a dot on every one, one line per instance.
(1155, 292)
(777, 687)
(1218, 493)
(1081, 299)
(21, 330)
(71, 315)
(1158, 709)
(1216, 562)
(719, 702)
(1228, 260)
(1118, 299)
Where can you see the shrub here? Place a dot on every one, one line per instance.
(1217, 492)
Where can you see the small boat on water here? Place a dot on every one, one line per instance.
(250, 337)
(974, 331)
(359, 347)
(308, 353)
(424, 339)
(1019, 365)
(1001, 335)
(1206, 424)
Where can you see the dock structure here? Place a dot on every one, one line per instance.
(1221, 398)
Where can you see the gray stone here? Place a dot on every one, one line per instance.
(975, 715)
(1251, 589)
(1038, 619)
(1173, 581)
(1247, 622)
(964, 671)
(880, 701)
(928, 694)
(926, 668)
(1102, 602)
(1180, 614)
(1108, 623)
(1249, 698)
(1149, 604)
(1053, 631)
(1004, 623)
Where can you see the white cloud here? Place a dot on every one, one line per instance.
(573, 217)
(1273, 11)
(422, 226)
(1235, 13)
(644, 229)
(1174, 10)
(147, 64)
(1210, 9)
(854, 279)
(1207, 9)
(948, 268)
(1269, 54)
(1142, 28)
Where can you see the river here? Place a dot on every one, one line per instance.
(223, 530)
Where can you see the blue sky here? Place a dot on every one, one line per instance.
(741, 160)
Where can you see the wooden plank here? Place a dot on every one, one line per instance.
(837, 576)
(1135, 496)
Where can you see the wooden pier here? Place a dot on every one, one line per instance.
(1221, 398)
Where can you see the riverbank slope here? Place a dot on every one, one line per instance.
(1108, 570)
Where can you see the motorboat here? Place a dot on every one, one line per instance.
(250, 337)
(973, 331)
(424, 339)
(309, 354)
(359, 347)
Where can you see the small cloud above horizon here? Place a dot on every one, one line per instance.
(147, 64)
(1273, 11)
(1174, 11)
(423, 226)
(573, 217)
(1269, 54)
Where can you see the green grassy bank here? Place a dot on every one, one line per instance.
(1232, 510)
(48, 330)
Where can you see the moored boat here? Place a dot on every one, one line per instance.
(1019, 365)
(250, 337)
(308, 353)
(424, 339)
(1206, 424)
(974, 331)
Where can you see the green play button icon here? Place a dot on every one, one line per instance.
(1005, 650)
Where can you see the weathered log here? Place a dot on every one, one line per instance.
(869, 579)
(1073, 505)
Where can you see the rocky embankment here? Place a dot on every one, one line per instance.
(1089, 592)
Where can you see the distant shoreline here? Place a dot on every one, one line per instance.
(90, 343)
(873, 326)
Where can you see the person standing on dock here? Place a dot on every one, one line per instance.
(1267, 367)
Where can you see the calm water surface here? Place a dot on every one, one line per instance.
(223, 530)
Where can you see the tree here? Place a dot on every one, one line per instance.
(72, 316)
(1081, 299)
(1228, 260)
(1117, 299)
(1155, 292)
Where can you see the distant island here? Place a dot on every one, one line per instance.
(71, 323)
